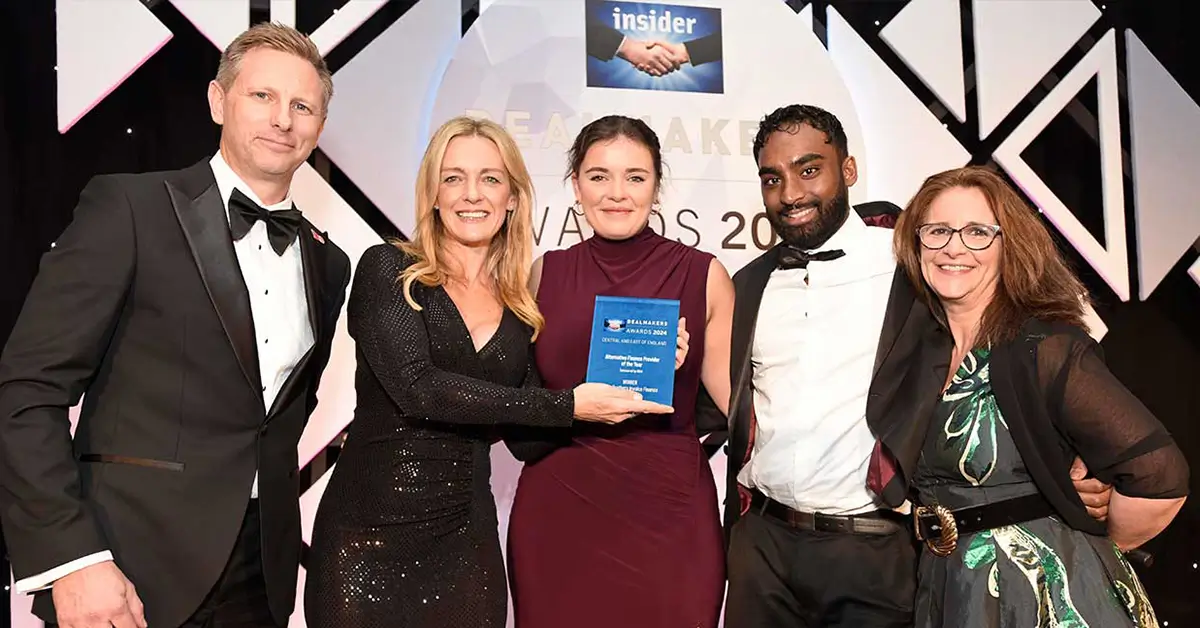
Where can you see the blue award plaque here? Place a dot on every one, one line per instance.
(633, 345)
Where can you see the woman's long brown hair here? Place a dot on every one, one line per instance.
(1035, 279)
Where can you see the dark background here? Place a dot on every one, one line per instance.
(1152, 346)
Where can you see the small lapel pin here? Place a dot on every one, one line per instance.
(317, 237)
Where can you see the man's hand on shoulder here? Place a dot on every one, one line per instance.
(98, 596)
(1094, 494)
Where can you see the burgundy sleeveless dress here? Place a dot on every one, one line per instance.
(621, 527)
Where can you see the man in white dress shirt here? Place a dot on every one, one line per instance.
(193, 311)
(831, 354)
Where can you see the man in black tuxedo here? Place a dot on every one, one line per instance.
(832, 354)
(193, 310)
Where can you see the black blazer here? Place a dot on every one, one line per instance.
(141, 309)
(910, 365)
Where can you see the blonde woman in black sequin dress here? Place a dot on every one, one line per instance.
(406, 534)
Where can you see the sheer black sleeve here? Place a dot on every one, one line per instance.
(530, 444)
(394, 340)
(1118, 438)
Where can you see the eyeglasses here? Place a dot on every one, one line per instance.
(975, 237)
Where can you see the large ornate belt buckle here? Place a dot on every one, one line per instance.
(947, 541)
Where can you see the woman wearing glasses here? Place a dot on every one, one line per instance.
(1007, 540)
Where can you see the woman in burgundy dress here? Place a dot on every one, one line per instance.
(620, 526)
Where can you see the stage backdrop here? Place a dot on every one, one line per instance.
(544, 68)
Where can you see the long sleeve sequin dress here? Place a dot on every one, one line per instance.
(406, 533)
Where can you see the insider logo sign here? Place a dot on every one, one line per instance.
(651, 46)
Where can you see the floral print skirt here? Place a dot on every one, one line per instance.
(1039, 573)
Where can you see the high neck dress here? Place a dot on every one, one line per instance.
(621, 526)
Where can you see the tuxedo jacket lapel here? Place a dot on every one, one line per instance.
(910, 366)
(901, 300)
(312, 259)
(197, 203)
(750, 284)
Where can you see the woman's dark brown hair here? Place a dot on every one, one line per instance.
(1035, 280)
(609, 128)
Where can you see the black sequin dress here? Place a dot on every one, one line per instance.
(406, 533)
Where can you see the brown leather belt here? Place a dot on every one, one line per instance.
(878, 522)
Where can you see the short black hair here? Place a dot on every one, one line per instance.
(789, 119)
(610, 128)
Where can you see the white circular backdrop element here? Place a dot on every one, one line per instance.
(523, 64)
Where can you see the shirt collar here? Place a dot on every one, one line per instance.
(848, 236)
(868, 254)
(228, 180)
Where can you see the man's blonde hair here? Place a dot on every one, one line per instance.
(279, 37)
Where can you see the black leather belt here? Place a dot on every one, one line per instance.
(878, 522)
(940, 527)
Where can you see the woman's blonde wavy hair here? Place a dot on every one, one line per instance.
(511, 251)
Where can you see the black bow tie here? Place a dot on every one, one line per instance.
(791, 257)
(282, 224)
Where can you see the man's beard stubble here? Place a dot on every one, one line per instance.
(830, 217)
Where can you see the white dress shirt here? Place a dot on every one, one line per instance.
(282, 328)
(812, 357)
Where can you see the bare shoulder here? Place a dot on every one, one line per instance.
(719, 288)
(718, 274)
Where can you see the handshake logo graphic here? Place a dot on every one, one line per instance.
(637, 45)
